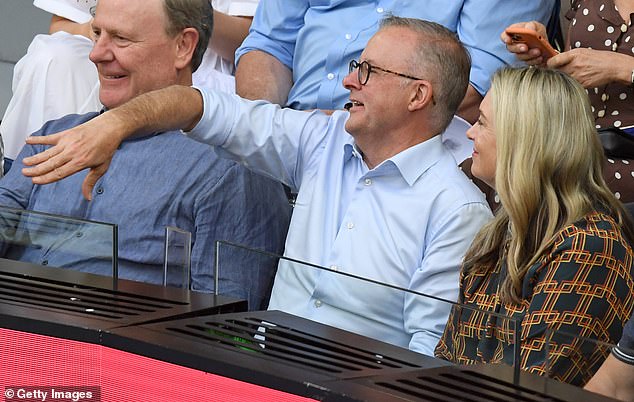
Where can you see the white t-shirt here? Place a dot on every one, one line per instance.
(207, 75)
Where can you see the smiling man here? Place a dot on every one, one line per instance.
(158, 180)
(378, 194)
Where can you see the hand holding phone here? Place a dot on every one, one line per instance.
(532, 39)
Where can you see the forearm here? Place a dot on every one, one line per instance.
(62, 24)
(261, 76)
(229, 32)
(171, 108)
(469, 109)
(614, 379)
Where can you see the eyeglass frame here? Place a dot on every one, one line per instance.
(355, 65)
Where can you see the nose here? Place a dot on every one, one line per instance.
(471, 133)
(351, 81)
(101, 49)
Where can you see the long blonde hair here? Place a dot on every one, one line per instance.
(548, 172)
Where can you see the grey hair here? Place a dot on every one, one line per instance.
(197, 14)
(442, 60)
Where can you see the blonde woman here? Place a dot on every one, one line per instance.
(557, 254)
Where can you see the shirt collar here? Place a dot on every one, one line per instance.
(415, 160)
(411, 163)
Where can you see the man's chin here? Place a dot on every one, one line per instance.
(111, 102)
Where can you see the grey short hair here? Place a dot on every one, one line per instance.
(197, 14)
(441, 59)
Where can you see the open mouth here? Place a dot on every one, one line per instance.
(352, 103)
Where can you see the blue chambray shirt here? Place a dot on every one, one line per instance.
(407, 222)
(153, 182)
(316, 39)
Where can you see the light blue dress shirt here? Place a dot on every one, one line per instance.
(154, 182)
(407, 222)
(316, 39)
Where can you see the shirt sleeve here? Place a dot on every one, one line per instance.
(577, 296)
(248, 210)
(480, 27)
(274, 29)
(242, 8)
(625, 349)
(279, 143)
(438, 276)
(77, 11)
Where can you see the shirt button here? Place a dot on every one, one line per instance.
(350, 225)
(334, 268)
(45, 262)
(330, 76)
(348, 36)
(317, 303)
(614, 47)
(379, 10)
(79, 234)
(368, 182)
(100, 190)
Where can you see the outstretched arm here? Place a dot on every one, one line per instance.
(92, 144)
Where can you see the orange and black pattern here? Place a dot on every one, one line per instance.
(583, 287)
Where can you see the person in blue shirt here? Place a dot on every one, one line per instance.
(379, 196)
(158, 180)
(297, 52)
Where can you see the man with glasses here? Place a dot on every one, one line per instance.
(296, 51)
(378, 194)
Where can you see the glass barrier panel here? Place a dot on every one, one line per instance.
(384, 311)
(177, 262)
(59, 241)
(572, 358)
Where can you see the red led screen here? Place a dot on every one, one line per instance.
(42, 361)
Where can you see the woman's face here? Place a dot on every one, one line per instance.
(483, 136)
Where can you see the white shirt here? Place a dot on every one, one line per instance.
(407, 222)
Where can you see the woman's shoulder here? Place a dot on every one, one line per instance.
(595, 236)
(594, 225)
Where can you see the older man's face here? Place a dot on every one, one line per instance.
(381, 104)
(132, 52)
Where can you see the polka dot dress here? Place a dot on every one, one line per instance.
(597, 24)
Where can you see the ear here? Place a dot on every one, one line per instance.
(185, 46)
(422, 96)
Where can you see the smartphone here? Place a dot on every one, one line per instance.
(532, 39)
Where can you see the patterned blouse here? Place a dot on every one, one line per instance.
(597, 24)
(584, 286)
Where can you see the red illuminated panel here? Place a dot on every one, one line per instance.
(37, 360)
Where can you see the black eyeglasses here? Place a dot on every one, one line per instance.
(365, 68)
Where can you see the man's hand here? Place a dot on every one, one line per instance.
(90, 145)
(531, 56)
